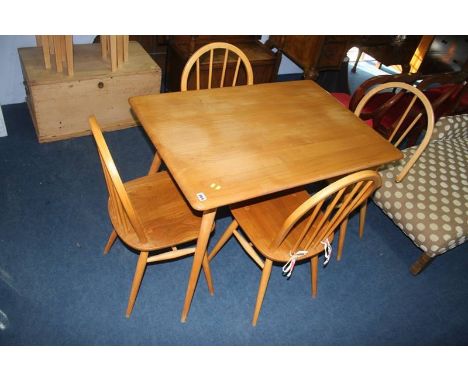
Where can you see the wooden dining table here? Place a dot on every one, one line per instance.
(227, 145)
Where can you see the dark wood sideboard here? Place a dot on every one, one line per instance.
(318, 53)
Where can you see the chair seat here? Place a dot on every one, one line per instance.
(166, 217)
(430, 205)
(344, 99)
(261, 231)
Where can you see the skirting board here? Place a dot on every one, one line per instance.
(3, 131)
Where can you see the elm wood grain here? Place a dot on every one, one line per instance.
(255, 140)
(225, 53)
(227, 145)
(148, 214)
(280, 225)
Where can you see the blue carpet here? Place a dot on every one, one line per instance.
(56, 288)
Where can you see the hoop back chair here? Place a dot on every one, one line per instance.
(295, 224)
(412, 114)
(417, 108)
(229, 53)
(148, 214)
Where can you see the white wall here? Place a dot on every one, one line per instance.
(11, 77)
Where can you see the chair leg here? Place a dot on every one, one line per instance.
(110, 242)
(207, 272)
(140, 270)
(357, 61)
(421, 263)
(262, 289)
(341, 238)
(155, 164)
(362, 218)
(314, 274)
(224, 237)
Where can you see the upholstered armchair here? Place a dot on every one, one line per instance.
(430, 204)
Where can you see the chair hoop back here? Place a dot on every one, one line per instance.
(327, 209)
(195, 59)
(409, 111)
(118, 197)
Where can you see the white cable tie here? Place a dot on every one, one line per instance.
(327, 249)
(289, 266)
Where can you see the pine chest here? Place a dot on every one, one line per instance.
(60, 104)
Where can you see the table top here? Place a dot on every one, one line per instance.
(232, 144)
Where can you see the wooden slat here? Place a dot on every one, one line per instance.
(234, 80)
(45, 51)
(113, 52)
(120, 53)
(58, 54)
(210, 70)
(223, 74)
(69, 53)
(104, 46)
(51, 44)
(125, 48)
(63, 48)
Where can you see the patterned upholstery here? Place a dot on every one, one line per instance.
(454, 127)
(430, 205)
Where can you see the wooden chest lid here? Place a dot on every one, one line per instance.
(88, 64)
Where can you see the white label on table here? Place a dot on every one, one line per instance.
(201, 197)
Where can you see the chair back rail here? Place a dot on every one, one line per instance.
(409, 111)
(210, 48)
(118, 197)
(343, 197)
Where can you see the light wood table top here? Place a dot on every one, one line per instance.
(234, 144)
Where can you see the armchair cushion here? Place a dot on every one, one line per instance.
(453, 127)
(430, 205)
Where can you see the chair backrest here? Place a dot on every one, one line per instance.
(118, 198)
(445, 91)
(411, 114)
(322, 213)
(229, 49)
(361, 90)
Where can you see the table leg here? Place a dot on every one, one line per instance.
(200, 252)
